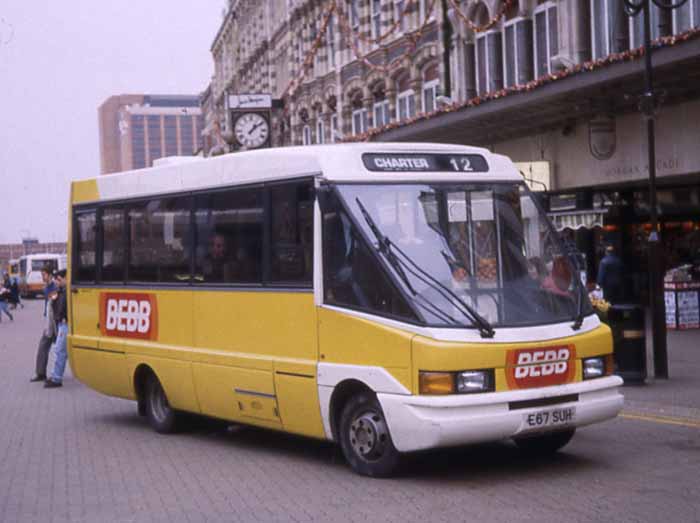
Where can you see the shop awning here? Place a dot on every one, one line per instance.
(577, 219)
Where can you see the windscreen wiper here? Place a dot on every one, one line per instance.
(387, 248)
(578, 321)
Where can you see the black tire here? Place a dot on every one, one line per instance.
(161, 417)
(544, 444)
(365, 439)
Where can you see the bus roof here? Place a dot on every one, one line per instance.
(336, 162)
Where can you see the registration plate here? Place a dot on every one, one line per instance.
(546, 419)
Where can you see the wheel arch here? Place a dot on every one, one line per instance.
(342, 392)
(141, 376)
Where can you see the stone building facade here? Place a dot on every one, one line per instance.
(340, 68)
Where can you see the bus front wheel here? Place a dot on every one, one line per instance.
(545, 443)
(365, 439)
(161, 416)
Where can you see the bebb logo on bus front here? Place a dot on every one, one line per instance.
(540, 367)
(128, 315)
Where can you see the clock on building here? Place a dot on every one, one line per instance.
(252, 130)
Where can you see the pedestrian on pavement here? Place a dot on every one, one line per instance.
(49, 286)
(15, 299)
(48, 335)
(4, 300)
(60, 313)
(611, 276)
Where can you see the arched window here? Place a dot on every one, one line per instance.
(380, 108)
(488, 55)
(546, 37)
(320, 130)
(431, 80)
(517, 48)
(306, 135)
(405, 99)
(359, 115)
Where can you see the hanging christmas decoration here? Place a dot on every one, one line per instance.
(412, 38)
(488, 25)
(311, 55)
(392, 28)
(592, 65)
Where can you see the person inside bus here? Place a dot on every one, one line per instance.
(60, 313)
(217, 266)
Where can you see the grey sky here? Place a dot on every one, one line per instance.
(62, 60)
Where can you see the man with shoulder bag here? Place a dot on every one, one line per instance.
(60, 312)
(48, 335)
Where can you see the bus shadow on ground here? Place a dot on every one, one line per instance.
(492, 461)
(496, 461)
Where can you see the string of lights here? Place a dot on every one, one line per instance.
(311, 55)
(592, 65)
(413, 39)
(488, 25)
(392, 28)
(352, 38)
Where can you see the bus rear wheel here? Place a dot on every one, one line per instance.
(161, 416)
(545, 443)
(365, 439)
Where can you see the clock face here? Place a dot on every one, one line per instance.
(251, 130)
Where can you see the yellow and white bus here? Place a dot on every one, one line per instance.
(13, 269)
(30, 266)
(389, 297)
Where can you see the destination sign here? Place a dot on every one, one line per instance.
(414, 162)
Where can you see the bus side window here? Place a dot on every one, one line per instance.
(159, 234)
(291, 208)
(113, 248)
(84, 236)
(229, 236)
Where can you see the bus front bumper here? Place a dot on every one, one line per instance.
(423, 422)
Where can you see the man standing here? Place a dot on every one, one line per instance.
(60, 312)
(611, 275)
(4, 299)
(49, 334)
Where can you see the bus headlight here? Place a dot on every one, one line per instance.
(474, 381)
(594, 367)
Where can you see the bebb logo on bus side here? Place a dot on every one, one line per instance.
(128, 315)
(540, 367)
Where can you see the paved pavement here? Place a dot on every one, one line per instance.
(71, 454)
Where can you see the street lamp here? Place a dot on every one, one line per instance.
(647, 105)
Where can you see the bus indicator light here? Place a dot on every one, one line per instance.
(540, 367)
(127, 315)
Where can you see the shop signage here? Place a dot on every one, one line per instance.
(249, 101)
(602, 139)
